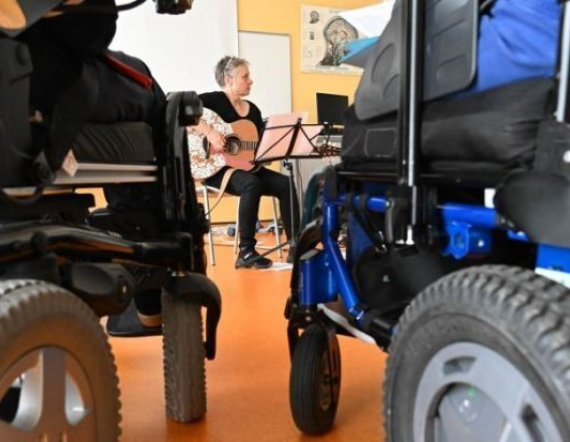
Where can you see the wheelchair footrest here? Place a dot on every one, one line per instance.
(127, 325)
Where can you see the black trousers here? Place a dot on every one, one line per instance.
(250, 187)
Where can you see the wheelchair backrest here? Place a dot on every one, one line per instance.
(15, 135)
(451, 28)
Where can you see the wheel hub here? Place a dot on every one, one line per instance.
(470, 393)
(45, 396)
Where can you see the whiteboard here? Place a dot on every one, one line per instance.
(269, 56)
(180, 50)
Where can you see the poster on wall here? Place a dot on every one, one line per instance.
(324, 39)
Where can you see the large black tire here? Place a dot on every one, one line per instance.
(184, 358)
(54, 354)
(482, 355)
(314, 385)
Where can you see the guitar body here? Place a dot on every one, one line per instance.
(241, 139)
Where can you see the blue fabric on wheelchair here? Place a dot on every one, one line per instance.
(518, 39)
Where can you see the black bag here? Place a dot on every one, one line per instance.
(498, 126)
(73, 84)
(553, 148)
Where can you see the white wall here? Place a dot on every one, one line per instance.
(181, 50)
(269, 56)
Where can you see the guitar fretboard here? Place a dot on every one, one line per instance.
(248, 145)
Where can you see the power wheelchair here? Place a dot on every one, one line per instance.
(63, 268)
(467, 293)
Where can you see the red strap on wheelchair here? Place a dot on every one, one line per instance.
(127, 71)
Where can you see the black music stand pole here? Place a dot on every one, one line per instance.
(289, 166)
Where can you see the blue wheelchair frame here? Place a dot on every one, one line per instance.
(325, 274)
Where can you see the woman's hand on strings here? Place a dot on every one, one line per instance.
(217, 140)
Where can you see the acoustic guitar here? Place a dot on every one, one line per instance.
(241, 141)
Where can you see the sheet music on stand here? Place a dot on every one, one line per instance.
(286, 136)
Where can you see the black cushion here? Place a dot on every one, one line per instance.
(497, 128)
(117, 143)
(538, 204)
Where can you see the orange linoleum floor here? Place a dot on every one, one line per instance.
(248, 381)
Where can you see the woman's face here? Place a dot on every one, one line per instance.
(239, 83)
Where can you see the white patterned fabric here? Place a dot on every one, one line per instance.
(203, 167)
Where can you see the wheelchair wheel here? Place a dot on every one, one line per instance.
(482, 355)
(314, 386)
(184, 358)
(57, 373)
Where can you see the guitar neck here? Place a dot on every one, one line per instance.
(248, 145)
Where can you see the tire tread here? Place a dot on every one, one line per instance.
(530, 308)
(23, 301)
(303, 383)
(184, 359)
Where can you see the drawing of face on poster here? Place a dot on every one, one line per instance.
(314, 17)
(337, 32)
(325, 36)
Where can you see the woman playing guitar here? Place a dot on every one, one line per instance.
(233, 76)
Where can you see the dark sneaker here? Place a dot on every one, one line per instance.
(252, 259)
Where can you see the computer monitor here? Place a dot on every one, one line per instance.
(331, 108)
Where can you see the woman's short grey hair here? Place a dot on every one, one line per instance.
(226, 68)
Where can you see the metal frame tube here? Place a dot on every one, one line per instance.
(338, 266)
(562, 105)
(415, 67)
(476, 216)
(378, 204)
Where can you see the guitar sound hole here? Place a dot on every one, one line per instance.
(232, 146)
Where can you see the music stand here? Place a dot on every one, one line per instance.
(287, 137)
